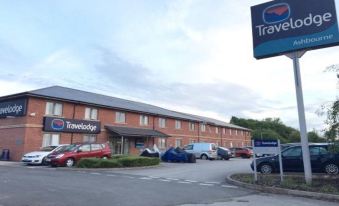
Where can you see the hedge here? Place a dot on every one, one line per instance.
(125, 161)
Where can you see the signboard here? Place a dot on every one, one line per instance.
(265, 147)
(14, 108)
(284, 26)
(56, 124)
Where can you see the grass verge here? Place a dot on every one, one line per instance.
(323, 184)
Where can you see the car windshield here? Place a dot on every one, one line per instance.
(71, 147)
(61, 148)
(48, 149)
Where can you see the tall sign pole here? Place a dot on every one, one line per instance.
(290, 27)
(301, 113)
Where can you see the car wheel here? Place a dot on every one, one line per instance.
(104, 158)
(204, 157)
(227, 158)
(244, 156)
(70, 162)
(265, 169)
(331, 169)
(43, 161)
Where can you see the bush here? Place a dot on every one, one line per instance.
(119, 161)
(138, 161)
(119, 156)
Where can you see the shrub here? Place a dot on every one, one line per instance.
(119, 156)
(120, 161)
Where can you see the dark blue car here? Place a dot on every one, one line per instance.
(178, 155)
(322, 160)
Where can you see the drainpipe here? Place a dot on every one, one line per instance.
(122, 145)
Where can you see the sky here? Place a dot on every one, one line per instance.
(191, 56)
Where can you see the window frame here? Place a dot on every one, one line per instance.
(144, 120)
(91, 113)
(162, 122)
(50, 137)
(52, 107)
(177, 124)
(118, 117)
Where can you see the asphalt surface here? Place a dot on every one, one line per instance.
(170, 184)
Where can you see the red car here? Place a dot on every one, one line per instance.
(242, 152)
(74, 152)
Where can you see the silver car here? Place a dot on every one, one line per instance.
(202, 150)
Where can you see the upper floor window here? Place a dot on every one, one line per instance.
(143, 120)
(230, 131)
(217, 130)
(236, 132)
(91, 113)
(53, 108)
(203, 127)
(177, 124)
(191, 126)
(242, 133)
(223, 130)
(162, 122)
(120, 117)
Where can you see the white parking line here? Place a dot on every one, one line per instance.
(212, 182)
(203, 184)
(164, 180)
(145, 178)
(229, 186)
(172, 179)
(153, 177)
(110, 175)
(95, 173)
(180, 182)
(190, 180)
(130, 177)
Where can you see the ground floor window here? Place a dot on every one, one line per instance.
(89, 138)
(50, 140)
(178, 142)
(162, 143)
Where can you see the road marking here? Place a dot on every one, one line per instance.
(130, 177)
(203, 184)
(212, 182)
(190, 180)
(144, 178)
(172, 179)
(95, 173)
(184, 182)
(229, 186)
(110, 175)
(164, 180)
(153, 177)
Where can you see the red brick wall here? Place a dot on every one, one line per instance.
(28, 136)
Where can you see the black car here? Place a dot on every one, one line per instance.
(322, 160)
(224, 153)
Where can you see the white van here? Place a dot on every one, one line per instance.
(202, 150)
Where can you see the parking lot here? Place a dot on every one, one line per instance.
(202, 183)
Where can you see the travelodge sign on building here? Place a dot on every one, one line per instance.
(284, 26)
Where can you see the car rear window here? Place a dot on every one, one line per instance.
(48, 149)
(96, 147)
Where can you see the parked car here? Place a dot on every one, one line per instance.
(223, 153)
(178, 155)
(241, 152)
(202, 150)
(322, 160)
(75, 152)
(39, 157)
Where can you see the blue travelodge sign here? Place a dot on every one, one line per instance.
(58, 124)
(284, 26)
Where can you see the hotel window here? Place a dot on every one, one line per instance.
(143, 120)
(50, 140)
(177, 124)
(191, 126)
(192, 141)
(162, 143)
(223, 130)
(120, 117)
(162, 122)
(242, 133)
(230, 131)
(217, 130)
(203, 127)
(178, 142)
(53, 108)
(236, 132)
(89, 138)
(91, 113)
